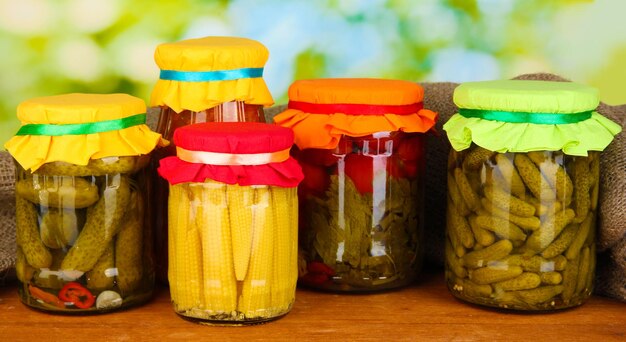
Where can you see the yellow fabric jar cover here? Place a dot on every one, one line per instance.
(210, 55)
(63, 111)
(321, 111)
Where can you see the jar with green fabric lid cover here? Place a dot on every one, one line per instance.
(523, 181)
(83, 245)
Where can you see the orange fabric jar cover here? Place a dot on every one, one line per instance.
(320, 111)
(248, 153)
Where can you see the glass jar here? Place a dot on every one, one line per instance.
(183, 101)
(521, 224)
(361, 206)
(232, 222)
(361, 148)
(83, 245)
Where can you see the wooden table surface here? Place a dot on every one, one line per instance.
(424, 311)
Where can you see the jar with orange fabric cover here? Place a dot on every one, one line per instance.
(360, 143)
(211, 79)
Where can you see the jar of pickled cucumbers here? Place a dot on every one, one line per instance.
(360, 143)
(233, 217)
(523, 180)
(211, 79)
(83, 245)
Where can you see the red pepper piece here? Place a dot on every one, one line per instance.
(314, 278)
(77, 294)
(320, 267)
(411, 148)
(45, 296)
(316, 179)
(395, 167)
(360, 169)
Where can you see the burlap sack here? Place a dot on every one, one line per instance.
(7, 216)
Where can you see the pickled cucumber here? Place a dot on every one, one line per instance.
(58, 192)
(461, 229)
(455, 197)
(582, 200)
(570, 280)
(129, 247)
(510, 178)
(501, 227)
(583, 270)
(490, 274)
(27, 234)
(59, 228)
(550, 228)
(95, 167)
(454, 263)
(483, 237)
(581, 236)
(472, 289)
(529, 222)
(476, 157)
(507, 202)
(525, 281)
(467, 192)
(554, 173)
(102, 224)
(534, 180)
(562, 242)
(23, 270)
(101, 276)
(530, 298)
(551, 278)
(481, 257)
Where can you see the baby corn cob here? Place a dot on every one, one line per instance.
(285, 250)
(255, 296)
(240, 214)
(185, 265)
(212, 220)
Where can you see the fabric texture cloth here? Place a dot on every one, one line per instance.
(315, 130)
(244, 139)
(32, 151)
(514, 96)
(210, 54)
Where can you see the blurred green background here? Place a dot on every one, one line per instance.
(52, 47)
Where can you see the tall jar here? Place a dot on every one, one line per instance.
(232, 222)
(523, 180)
(360, 143)
(211, 79)
(83, 245)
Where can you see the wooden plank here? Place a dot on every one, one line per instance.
(423, 311)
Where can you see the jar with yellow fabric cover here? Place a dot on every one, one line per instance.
(211, 79)
(523, 182)
(83, 246)
(360, 143)
(233, 218)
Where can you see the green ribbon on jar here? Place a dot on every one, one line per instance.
(526, 117)
(82, 128)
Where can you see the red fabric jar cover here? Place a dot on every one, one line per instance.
(233, 146)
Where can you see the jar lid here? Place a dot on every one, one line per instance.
(320, 111)
(527, 96)
(75, 128)
(198, 74)
(523, 116)
(234, 137)
(244, 153)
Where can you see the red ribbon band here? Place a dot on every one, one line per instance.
(355, 109)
